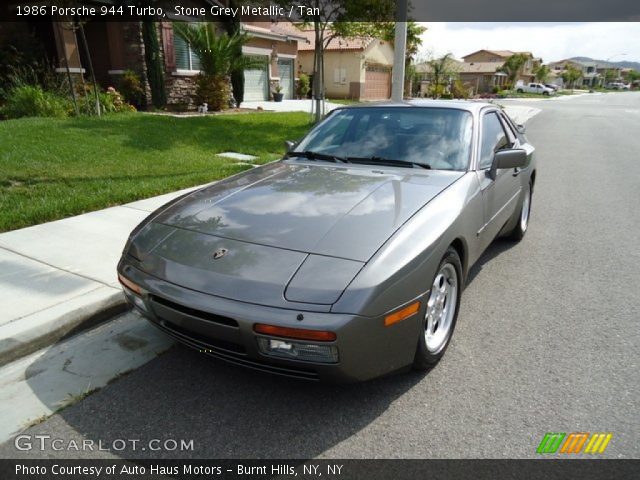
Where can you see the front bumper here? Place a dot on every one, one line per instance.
(223, 328)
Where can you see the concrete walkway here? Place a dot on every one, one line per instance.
(289, 106)
(57, 276)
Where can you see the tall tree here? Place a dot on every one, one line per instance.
(153, 62)
(542, 73)
(329, 18)
(232, 26)
(571, 74)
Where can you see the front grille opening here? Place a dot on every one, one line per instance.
(203, 340)
(211, 317)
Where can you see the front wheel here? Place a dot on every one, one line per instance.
(441, 311)
(523, 217)
(520, 90)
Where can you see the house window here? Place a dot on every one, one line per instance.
(340, 76)
(186, 59)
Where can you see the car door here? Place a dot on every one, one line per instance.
(499, 194)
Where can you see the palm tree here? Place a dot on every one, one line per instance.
(513, 67)
(218, 58)
(441, 69)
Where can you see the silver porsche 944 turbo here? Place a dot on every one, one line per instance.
(346, 259)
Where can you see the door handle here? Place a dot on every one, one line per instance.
(516, 171)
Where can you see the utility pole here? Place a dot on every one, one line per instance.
(399, 49)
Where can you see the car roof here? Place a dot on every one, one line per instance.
(472, 106)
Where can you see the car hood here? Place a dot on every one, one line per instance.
(289, 235)
(335, 211)
(338, 211)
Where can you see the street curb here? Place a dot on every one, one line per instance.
(47, 327)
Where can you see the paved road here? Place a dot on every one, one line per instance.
(547, 339)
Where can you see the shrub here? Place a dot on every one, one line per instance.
(303, 85)
(131, 89)
(460, 90)
(213, 90)
(33, 101)
(110, 101)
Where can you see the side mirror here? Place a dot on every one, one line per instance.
(289, 144)
(507, 159)
(521, 128)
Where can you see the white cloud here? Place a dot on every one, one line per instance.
(547, 40)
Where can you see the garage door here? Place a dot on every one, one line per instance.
(256, 83)
(377, 83)
(285, 67)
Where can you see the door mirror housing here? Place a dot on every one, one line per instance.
(521, 128)
(508, 159)
(289, 144)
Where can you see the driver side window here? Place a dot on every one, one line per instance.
(494, 138)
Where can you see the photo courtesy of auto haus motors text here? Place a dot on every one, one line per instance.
(342, 239)
(139, 471)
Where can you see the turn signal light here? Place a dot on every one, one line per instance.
(129, 284)
(403, 314)
(299, 333)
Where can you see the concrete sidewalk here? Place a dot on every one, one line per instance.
(59, 277)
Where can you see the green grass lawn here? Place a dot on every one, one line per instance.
(54, 168)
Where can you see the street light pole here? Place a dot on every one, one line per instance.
(399, 49)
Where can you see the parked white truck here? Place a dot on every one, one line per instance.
(534, 88)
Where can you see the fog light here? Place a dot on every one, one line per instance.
(136, 300)
(309, 352)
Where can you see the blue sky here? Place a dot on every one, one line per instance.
(551, 41)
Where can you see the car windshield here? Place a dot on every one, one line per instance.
(437, 138)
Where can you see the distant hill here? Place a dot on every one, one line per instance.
(620, 64)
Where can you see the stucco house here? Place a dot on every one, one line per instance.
(592, 73)
(481, 69)
(359, 68)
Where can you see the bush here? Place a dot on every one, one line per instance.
(131, 89)
(213, 90)
(110, 101)
(460, 90)
(303, 85)
(33, 101)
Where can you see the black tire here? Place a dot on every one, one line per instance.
(545, 93)
(424, 358)
(520, 90)
(519, 231)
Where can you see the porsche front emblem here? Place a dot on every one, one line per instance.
(219, 253)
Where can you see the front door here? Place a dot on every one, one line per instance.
(285, 67)
(500, 195)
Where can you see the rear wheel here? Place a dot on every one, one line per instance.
(441, 311)
(520, 90)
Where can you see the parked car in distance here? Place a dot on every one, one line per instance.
(552, 86)
(346, 259)
(535, 88)
(617, 86)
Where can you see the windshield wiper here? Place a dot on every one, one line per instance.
(309, 155)
(386, 161)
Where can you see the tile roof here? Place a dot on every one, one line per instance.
(336, 43)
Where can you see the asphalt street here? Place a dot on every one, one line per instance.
(547, 340)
